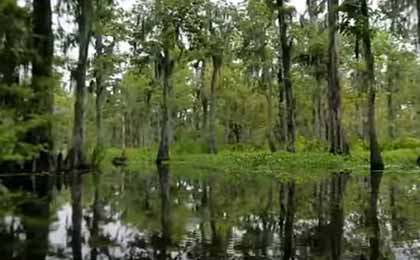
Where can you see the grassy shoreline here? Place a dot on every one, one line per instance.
(279, 161)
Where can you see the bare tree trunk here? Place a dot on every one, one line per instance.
(196, 106)
(337, 140)
(84, 21)
(204, 99)
(100, 91)
(168, 66)
(286, 46)
(392, 76)
(42, 70)
(376, 161)
(281, 130)
(217, 64)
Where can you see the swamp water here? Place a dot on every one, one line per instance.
(196, 214)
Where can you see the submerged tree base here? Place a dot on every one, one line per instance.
(377, 166)
(76, 160)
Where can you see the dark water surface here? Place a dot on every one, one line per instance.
(192, 214)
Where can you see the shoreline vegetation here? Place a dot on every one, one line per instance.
(262, 161)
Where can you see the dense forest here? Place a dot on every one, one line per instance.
(209, 129)
(199, 76)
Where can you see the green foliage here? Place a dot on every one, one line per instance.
(63, 119)
(402, 158)
(403, 143)
(14, 125)
(311, 145)
(98, 156)
(189, 146)
(244, 161)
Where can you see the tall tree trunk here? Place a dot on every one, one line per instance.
(204, 98)
(100, 90)
(217, 64)
(376, 161)
(286, 47)
(392, 76)
(42, 70)
(281, 130)
(337, 140)
(168, 66)
(196, 106)
(84, 21)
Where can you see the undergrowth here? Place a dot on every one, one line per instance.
(265, 162)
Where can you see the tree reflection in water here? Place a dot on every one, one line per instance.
(288, 243)
(165, 211)
(170, 215)
(77, 214)
(35, 220)
(372, 220)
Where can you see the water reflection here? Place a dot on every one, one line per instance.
(165, 211)
(96, 217)
(288, 248)
(373, 222)
(176, 214)
(76, 216)
(35, 222)
(338, 187)
(27, 237)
